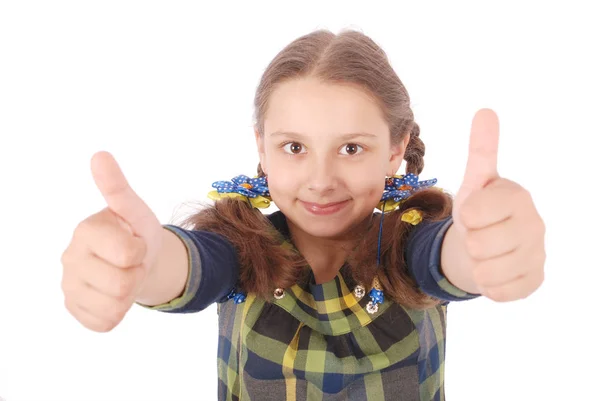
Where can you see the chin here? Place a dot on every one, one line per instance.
(331, 231)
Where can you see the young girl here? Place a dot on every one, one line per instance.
(327, 298)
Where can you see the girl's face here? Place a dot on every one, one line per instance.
(326, 151)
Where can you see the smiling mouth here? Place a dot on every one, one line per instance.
(324, 208)
(322, 205)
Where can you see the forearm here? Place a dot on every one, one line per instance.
(457, 266)
(168, 277)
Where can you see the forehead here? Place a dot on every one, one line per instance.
(310, 106)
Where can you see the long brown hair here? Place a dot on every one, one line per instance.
(348, 57)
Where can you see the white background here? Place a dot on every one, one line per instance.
(167, 87)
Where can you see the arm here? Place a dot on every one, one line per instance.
(194, 270)
(424, 250)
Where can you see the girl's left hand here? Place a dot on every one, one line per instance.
(497, 219)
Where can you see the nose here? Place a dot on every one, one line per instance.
(322, 177)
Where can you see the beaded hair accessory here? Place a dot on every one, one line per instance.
(397, 189)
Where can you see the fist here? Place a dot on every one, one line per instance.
(111, 252)
(500, 227)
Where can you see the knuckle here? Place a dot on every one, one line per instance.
(69, 287)
(542, 259)
(541, 279)
(480, 276)
(68, 304)
(68, 258)
(500, 294)
(82, 228)
(65, 287)
(128, 252)
(108, 327)
(103, 326)
(126, 255)
(86, 320)
(64, 257)
(118, 311)
(466, 216)
(542, 228)
(525, 194)
(122, 285)
(473, 245)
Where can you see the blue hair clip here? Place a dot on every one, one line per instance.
(400, 187)
(244, 185)
(255, 190)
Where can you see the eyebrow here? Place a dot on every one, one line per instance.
(348, 136)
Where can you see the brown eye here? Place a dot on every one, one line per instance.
(352, 148)
(294, 147)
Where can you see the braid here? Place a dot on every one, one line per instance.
(415, 150)
(260, 171)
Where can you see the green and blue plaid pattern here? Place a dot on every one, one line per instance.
(318, 342)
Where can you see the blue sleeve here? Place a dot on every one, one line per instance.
(213, 272)
(424, 260)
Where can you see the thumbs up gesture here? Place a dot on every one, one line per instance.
(111, 252)
(497, 222)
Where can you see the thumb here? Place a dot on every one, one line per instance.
(117, 193)
(483, 150)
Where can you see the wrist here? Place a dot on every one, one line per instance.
(456, 264)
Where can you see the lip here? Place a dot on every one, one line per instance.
(322, 209)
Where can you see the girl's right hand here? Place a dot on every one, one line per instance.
(111, 252)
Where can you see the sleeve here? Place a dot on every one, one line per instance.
(213, 272)
(424, 261)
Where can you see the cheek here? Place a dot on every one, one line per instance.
(365, 183)
(282, 184)
(370, 190)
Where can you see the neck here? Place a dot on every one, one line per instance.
(324, 255)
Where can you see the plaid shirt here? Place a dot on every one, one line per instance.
(318, 342)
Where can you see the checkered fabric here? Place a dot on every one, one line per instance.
(318, 342)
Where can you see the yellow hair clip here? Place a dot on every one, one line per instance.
(413, 217)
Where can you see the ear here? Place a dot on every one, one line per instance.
(397, 154)
(260, 146)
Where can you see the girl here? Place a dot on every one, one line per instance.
(342, 293)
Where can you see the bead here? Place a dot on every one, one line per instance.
(372, 307)
(279, 293)
(239, 298)
(359, 291)
(376, 295)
